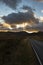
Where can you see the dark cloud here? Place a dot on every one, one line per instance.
(38, 0)
(34, 0)
(18, 18)
(26, 7)
(30, 10)
(38, 27)
(11, 3)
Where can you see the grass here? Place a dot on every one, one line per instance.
(38, 38)
(17, 52)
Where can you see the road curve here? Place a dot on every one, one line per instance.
(38, 48)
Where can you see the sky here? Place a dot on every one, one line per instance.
(21, 15)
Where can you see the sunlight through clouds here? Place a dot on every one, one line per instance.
(41, 18)
(23, 25)
(16, 15)
(7, 25)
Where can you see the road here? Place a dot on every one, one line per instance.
(38, 48)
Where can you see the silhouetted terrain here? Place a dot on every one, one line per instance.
(13, 35)
(37, 36)
(21, 35)
(15, 49)
(18, 34)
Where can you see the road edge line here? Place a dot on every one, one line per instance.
(37, 56)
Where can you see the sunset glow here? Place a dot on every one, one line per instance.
(41, 18)
(19, 15)
(22, 25)
(31, 31)
(7, 25)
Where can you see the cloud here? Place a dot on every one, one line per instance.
(26, 7)
(38, 27)
(38, 0)
(21, 27)
(5, 26)
(41, 18)
(21, 17)
(41, 11)
(18, 18)
(33, 0)
(29, 9)
(22, 20)
(11, 3)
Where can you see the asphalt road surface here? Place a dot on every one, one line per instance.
(38, 47)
